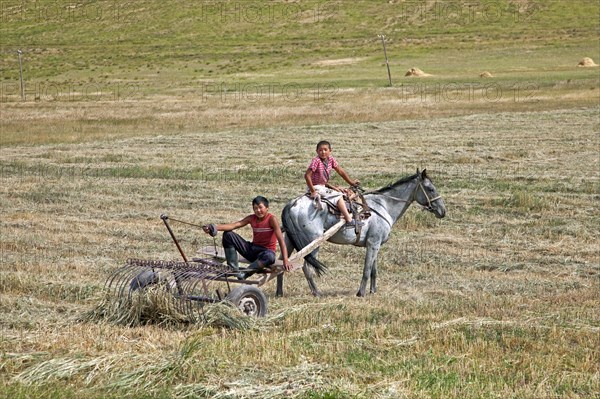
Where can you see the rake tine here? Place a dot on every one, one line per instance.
(189, 286)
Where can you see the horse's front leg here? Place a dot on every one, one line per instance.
(369, 271)
(374, 274)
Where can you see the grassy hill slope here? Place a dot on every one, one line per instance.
(100, 69)
(155, 40)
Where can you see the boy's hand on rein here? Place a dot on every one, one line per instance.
(210, 229)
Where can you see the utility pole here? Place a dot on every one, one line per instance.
(21, 76)
(382, 37)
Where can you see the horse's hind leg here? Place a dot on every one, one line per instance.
(279, 290)
(308, 273)
(290, 247)
(310, 276)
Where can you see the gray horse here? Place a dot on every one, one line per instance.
(303, 223)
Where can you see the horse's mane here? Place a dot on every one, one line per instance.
(398, 182)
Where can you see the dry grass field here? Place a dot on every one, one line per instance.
(499, 299)
(194, 108)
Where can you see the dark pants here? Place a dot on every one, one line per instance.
(248, 250)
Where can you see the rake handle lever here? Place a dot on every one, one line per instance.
(164, 219)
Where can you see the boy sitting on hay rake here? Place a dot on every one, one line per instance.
(266, 233)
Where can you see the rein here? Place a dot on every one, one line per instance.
(181, 221)
(195, 225)
(383, 217)
(429, 206)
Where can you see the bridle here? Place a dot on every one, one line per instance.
(429, 207)
(430, 201)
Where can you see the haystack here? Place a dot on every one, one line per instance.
(416, 72)
(587, 62)
(485, 74)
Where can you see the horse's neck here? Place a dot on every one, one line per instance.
(396, 200)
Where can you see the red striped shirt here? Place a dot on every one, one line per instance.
(322, 169)
(262, 232)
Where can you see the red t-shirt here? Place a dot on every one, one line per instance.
(262, 232)
(322, 169)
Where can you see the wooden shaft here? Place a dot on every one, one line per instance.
(302, 253)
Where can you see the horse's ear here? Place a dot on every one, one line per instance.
(418, 171)
(424, 174)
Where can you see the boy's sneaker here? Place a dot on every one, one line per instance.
(353, 223)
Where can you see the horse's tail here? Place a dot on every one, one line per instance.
(299, 239)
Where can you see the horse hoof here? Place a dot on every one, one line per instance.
(360, 294)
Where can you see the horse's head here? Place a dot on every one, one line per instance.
(428, 197)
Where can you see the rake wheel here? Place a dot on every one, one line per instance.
(249, 300)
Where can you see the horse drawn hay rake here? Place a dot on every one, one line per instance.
(181, 289)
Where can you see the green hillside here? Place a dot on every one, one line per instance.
(153, 40)
(100, 69)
